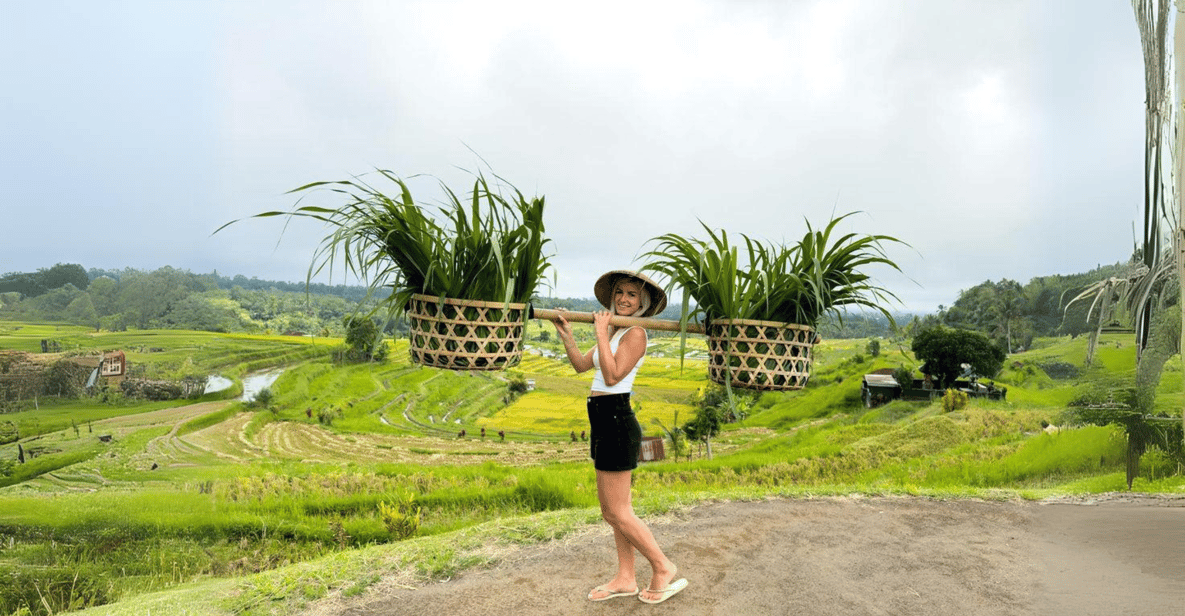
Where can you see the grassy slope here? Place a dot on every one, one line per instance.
(818, 440)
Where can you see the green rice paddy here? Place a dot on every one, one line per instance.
(237, 498)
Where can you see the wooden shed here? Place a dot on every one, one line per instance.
(652, 449)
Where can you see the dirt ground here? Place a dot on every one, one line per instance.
(1106, 556)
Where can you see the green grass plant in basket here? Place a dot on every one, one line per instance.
(463, 274)
(760, 312)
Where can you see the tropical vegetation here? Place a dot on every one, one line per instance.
(362, 464)
(488, 247)
(170, 298)
(943, 352)
(823, 273)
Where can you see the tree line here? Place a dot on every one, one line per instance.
(170, 298)
(40, 282)
(1009, 313)
(1012, 315)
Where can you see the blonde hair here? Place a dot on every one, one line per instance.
(643, 293)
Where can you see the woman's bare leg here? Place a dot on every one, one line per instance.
(626, 579)
(625, 561)
(613, 491)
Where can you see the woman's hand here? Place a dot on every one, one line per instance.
(562, 326)
(580, 362)
(601, 323)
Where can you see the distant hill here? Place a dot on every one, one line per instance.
(350, 292)
(173, 298)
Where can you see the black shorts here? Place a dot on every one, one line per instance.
(615, 441)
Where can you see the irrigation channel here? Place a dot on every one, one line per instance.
(252, 383)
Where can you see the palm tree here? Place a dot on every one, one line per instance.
(1011, 305)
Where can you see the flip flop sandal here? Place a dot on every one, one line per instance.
(666, 593)
(611, 595)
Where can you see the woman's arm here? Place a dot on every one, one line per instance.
(632, 347)
(582, 362)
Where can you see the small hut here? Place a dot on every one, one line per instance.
(652, 449)
(113, 367)
(113, 363)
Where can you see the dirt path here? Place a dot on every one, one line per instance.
(851, 556)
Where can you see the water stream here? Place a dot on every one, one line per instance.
(252, 383)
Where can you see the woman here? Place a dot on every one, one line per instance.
(616, 437)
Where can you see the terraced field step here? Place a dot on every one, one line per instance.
(314, 443)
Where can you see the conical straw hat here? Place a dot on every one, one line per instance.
(604, 288)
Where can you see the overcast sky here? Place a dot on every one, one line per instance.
(999, 139)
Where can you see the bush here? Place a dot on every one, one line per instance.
(903, 376)
(516, 383)
(953, 400)
(151, 389)
(9, 433)
(65, 379)
(326, 416)
(363, 339)
(401, 519)
(264, 398)
(1061, 370)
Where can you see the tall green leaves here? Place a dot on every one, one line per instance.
(799, 283)
(488, 247)
(1152, 19)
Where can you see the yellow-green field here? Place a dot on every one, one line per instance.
(217, 489)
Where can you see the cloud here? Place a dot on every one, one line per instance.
(990, 137)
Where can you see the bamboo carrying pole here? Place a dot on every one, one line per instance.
(548, 314)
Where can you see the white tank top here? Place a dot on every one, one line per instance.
(626, 384)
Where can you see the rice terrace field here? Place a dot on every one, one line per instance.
(351, 473)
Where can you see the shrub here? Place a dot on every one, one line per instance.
(364, 339)
(1061, 370)
(903, 376)
(65, 379)
(401, 519)
(516, 382)
(264, 398)
(151, 389)
(9, 433)
(953, 400)
(326, 415)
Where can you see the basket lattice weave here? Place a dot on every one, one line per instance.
(762, 355)
(465, 334)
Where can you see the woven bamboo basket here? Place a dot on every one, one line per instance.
(762, 355)
(462, 334)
